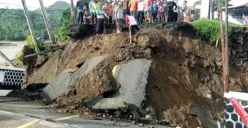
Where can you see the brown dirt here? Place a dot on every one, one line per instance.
(185, 72)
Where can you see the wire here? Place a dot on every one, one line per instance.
(32, 7)
(16, 5)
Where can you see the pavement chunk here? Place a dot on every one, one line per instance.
(133, 79)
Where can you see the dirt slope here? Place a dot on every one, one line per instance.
(185, 73)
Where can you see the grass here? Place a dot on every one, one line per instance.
(209, 30)
(19, 58)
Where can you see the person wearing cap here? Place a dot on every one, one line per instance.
(100, 14)
(119, 14)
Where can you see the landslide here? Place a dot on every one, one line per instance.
(184, 82)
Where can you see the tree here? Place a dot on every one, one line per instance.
(221, 3)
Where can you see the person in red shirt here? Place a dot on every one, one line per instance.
(133, 5)
(106, 8)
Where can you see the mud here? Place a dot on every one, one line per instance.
(185, 73)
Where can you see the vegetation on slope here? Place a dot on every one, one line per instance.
(209, 30)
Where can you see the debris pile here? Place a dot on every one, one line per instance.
(166, 76)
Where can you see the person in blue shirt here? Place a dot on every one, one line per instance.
(80, 5)
(100, 14)
(91, 11)
(154, 12)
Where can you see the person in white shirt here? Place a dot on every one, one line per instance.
(119, 14)
(133, 26)
(141, 6)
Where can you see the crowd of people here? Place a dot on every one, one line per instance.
(120, 11)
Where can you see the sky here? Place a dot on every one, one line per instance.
(34, 4)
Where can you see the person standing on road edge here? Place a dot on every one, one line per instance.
(148, 10)
(114, 6)
(95, 6)
(107, 10)
(91, 11)
(171, 7)
(119, 14)
(125, 7)
(100, 13)
(154, 12)
(133, 5)
(140, 16)
(79, 6)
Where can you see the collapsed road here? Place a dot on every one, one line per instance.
(166, 77)
(18, 113)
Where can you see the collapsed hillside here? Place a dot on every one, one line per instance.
(183, 85)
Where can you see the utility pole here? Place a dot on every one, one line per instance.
(223, 48)
(30, 26)
(47, 23)
(72, 12)
(226, 48)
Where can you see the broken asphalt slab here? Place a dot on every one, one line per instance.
(65, 81)
(133, 79)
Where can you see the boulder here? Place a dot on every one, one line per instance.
(133, 79)
(65, 81)
(57, 87)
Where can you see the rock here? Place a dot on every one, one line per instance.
(133, 79)
(204, 117)
(57, 87)
(148, 117)
(133, 122)
(109, 103)
(66, 80)
(141, 125)
(87, 66)
(204, 91)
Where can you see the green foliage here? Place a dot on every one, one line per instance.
(221, 3)
(13, 25)
(65, 20)
(209, 29)
(30, 42)
(19, 58)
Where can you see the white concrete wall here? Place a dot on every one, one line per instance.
(205, 9)
(231, 19)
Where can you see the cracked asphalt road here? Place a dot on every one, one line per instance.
(18, 113)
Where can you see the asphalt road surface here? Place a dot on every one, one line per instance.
(10, 49)
(17, 113)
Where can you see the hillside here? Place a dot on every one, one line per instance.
(16, 27)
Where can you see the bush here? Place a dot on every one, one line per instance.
(65, 20)
(209, 29)
(30, 43)
(19, 58)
